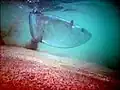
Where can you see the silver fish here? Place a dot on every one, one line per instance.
(56, 32)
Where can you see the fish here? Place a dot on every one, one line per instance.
(51, 30)
(56, 32)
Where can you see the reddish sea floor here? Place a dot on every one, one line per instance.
(19, 70)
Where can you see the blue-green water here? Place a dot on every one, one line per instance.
(99, 18)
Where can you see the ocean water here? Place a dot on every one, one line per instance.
(101, 19)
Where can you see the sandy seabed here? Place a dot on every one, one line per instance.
(23, 69)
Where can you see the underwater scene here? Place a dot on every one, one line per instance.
(71, 34)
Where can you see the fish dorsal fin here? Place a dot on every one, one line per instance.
(72, 22)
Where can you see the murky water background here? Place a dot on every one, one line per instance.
(99, 18)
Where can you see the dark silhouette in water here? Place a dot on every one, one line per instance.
(33, 45)
(1, 40)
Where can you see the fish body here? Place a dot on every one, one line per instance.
(57, 32)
